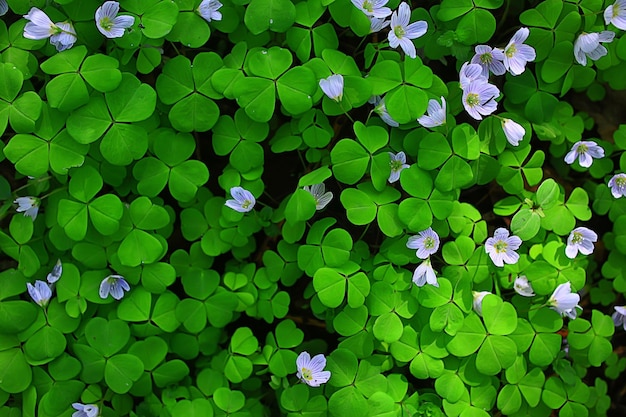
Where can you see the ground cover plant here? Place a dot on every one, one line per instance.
(312, 208)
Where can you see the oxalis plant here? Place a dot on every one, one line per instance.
(312, 208)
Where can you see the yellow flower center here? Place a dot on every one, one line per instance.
(307, 374)
(510, 51)
(106, 23)
(399, 31)
(367, 5)
(486, 58)
(429, 243)
(577, 237)
(472, 99)
(500, 246)
(620, 181)
(246, 204)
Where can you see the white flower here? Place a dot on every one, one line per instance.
(28, 205)
(618, 185)
(585, 150)
(4, 7)
(477, 302)
(208, 10)
(501, 247)
(376, 24)
(40, 292)
(311, 371)
(517, 54)
(435, 114)
(479, 98)
(318, 191)
(397, 163)
(619, 317)
(333, 86)
(243, 200)
(89, 410)
(401, 32)
(513, 131)
(523, 287)
(109, 23)
(56, 272)
(588, 45)
(489, 59)
(114, 285)
(381, 110)
(580, 240)
(563, 301)
(62, 35)
(425, 274)
(616, 14)
(373, 8)
(426, 243)
(470, 72)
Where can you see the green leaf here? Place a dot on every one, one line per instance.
(275, 15)
(135, 306)
(107, 337)
(350, 161)
(330, 286)
(132, 101)
(500, 317)
(159, 19)
(139, 247)
(105, 213)
(360, 209)
(194, 113)
(67, 92)
(101, 72)
(15, 373)
(121, 371)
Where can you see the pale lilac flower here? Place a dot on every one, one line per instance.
(318, 191)
(40, 292)
(517, 54)
(209, 10)
(333, 86)
(501, 247)
(588, 45)
(373, 8)
(402, 32)
(56, 272)
(471, 72)
(513, 131)
(28, 205)
(425, 274)
(585, 150)
(489, 59)
(563, 301)
(616, 14)
(477, 302)
(580, 240)
(62, 35)
(381, 110)
(243, 201)
(109, 23)
(479, 99)
(376, 24)
(85, 410)
(397, 163)
(618, 185)
(619, 317)
(523, 287)
(426, 242)
(4, 7)
(435, 114)
(114, 285)
(311, 371)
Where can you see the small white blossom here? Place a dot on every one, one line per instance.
(397, 163)
(209, 10)
(477, 302)
(56, 272)
(588, 45)
(243, 201)
(109, 23)
(85, 410)
(62, 35)
(563, 301)
(523, 287)
(580, 240)
(489, 59)
(4, 7)
(585, 151)
(333, 86)
(616, 14)
(618, 185)
(40, 292)
(425, 274)
(513, 131)
(471, 72)
(376, 24)
(381, 110)
(318, 191)
(619, 317)
(501, 247)
(28, 205)
(517, 54)
(426, 242)
(311, 371)
(435, 114)
(373, 8)
(479, 99)
(402, 32)
(114, 285)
